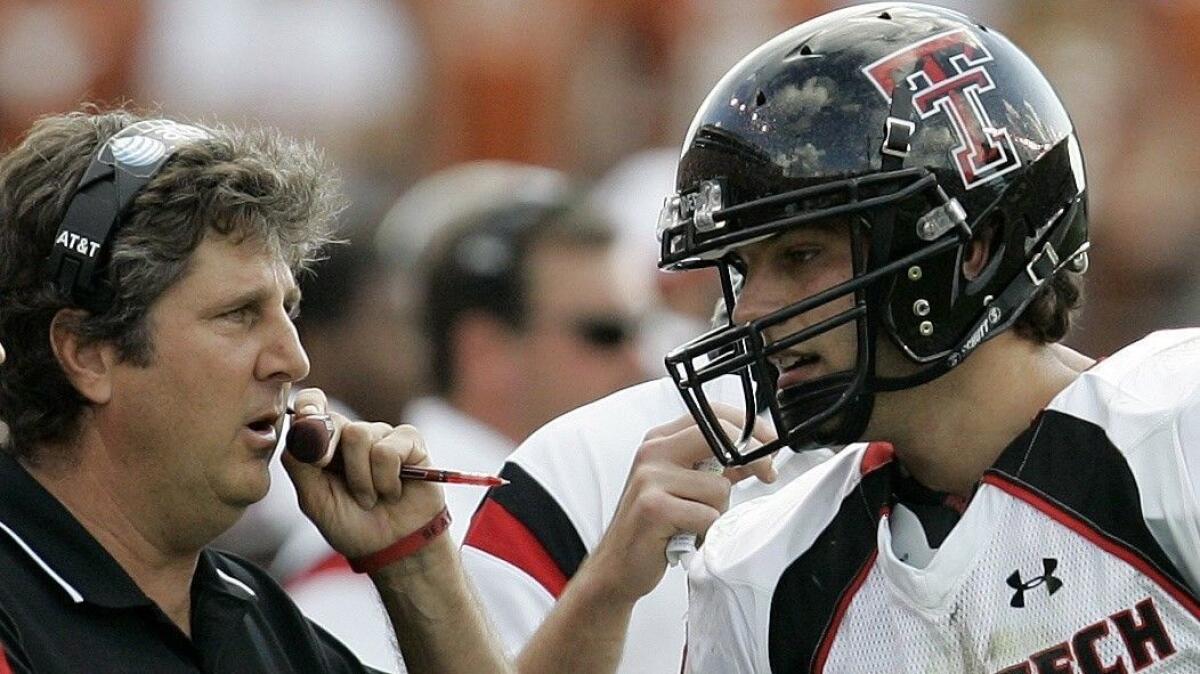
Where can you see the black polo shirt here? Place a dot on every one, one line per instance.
(67, 606)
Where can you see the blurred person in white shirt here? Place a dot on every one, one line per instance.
(523, 322)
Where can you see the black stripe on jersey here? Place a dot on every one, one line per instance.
(1071, 462)
(526, 499)
(806, 601)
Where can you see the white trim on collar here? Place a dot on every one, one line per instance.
(234, 581)
(74, 594)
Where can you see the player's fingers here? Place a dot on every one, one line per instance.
(711, 489)
(763, 431)
(674, 515)
(685, 447)
(670, 428)
(734, 415)
(763, 469)
(681, 441)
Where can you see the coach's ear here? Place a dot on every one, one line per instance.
(88, 364)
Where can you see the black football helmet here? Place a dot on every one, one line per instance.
(920, 127)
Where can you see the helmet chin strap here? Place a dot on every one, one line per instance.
(800, 403)
(923, 376)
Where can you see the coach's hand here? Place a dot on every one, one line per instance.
(365, 508)
(664, 496)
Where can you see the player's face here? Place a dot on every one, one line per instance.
(786, 269)
(196, 423)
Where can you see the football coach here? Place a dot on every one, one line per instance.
(147, 297)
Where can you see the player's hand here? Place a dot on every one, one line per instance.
(367, 507)
(664, 496)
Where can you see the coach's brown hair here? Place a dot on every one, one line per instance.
(253, 185)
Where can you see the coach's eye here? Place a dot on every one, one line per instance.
(242, 315)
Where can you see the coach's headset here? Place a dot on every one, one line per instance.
(121, 168)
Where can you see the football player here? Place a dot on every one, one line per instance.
(895, 198)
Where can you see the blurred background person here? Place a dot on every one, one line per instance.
(522, 321)
(674, 307)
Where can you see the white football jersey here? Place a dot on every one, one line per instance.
(1078, 553)
(529, 537)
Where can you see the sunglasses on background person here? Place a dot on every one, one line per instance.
(604, 332)
(599, 331)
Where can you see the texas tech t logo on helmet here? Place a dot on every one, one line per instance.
(947, 74)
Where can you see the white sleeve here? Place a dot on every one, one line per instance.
(1146, 397)
(514, 603)
(1182, 525)
(721, 626)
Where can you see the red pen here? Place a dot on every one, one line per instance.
(450, 476)
(308, 441)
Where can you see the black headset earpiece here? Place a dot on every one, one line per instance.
(120, 169)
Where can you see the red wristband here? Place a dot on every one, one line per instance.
(403, 547)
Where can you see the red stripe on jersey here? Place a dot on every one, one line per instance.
(332, 563)
(840, 612)
(495, 531)
(1129, 556)
(4, 668)
(876, 456)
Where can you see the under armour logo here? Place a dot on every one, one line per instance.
(1047, 578)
